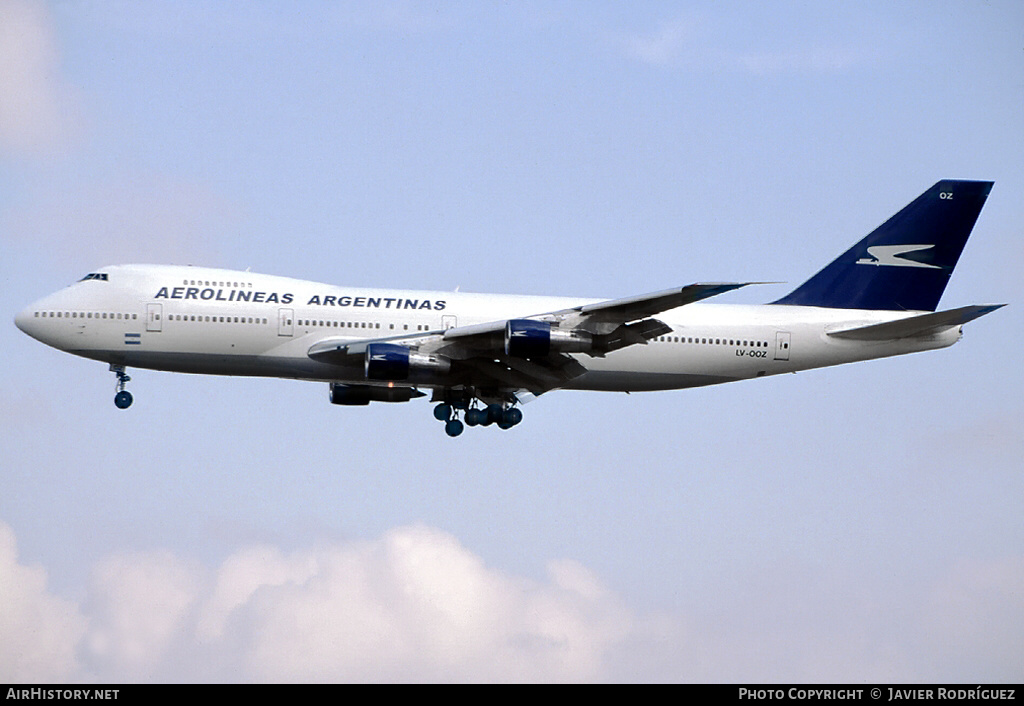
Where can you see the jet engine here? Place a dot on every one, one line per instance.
(387, 361)
(526, 338)
(365, 394)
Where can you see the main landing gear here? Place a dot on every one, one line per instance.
(504, 416)
(123, 399)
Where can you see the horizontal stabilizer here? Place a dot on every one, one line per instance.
(923, 325)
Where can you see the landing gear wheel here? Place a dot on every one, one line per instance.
(459, 409)
(123, 398)
(510, 417)
(495, 414)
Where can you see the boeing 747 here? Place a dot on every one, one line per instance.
(480, 356)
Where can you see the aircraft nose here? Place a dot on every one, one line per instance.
(28, 321)
(23, 320)
(42, 319)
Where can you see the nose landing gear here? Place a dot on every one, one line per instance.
(123, 399)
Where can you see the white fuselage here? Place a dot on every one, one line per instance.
(224, 322)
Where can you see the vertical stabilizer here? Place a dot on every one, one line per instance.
(905, 263)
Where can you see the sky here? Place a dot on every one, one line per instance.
(855, 524)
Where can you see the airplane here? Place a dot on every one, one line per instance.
(481, 356)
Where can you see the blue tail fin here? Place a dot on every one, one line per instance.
(905, 263)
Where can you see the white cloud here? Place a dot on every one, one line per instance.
(34, 104)
(240, 576)
(39, 630)
(692, 42)
(415, 605)
(138, 606)
(664, 46)
(412, 605)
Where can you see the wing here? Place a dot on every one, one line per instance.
(534, 353)
(603, 317)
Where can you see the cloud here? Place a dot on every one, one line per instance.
(664, 46)
(411, 605)
(416, 605)
(40, 631)
(138, 607)
(693, 42)
(34, 104)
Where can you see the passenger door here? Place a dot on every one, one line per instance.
(285, 322)
(154, 318)
(782, 340)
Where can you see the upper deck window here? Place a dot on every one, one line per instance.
(95, 275)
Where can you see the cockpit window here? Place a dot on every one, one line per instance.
(95, 275)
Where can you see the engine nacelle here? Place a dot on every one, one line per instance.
(526, 338)
(365, 394)
(387, 361)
